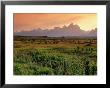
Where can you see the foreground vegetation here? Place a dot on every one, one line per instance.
(55, 56)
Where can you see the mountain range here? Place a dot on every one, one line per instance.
(70, 30)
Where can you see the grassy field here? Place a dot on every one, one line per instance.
(55, 56)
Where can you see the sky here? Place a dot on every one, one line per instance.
(30, 21)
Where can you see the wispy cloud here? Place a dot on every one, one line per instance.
(29, 21)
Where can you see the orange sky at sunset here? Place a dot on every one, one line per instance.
(30, 21)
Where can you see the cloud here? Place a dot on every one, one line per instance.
(24, 21)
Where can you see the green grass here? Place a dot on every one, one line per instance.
(31, 58)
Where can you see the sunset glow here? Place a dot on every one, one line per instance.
(30, 21)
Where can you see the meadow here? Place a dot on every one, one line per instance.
(55, 56)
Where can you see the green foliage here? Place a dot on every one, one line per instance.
(54, 59)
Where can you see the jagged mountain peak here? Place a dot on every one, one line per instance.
(70, 30)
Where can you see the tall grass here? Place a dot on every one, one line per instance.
(54, 59)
